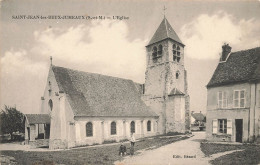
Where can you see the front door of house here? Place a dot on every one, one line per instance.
(239, 130)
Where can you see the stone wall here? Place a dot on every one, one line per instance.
(102, 129)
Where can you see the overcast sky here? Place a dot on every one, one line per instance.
(115, 47)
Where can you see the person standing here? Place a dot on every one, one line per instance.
(132, 140)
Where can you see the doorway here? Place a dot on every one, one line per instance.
(28, 130)
(239, 130)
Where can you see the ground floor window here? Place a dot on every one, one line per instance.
(132, 125)
(113, 128)
(222, 125)
(149, 126)
(89, 129)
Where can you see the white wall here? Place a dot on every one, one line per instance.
(104, 124)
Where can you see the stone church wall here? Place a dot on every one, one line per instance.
(102, 130)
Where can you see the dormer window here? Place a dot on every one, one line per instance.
(160, 50)
(176, 53)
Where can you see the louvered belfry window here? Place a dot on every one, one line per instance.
(176, 53)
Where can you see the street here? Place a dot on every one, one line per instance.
(181, 152)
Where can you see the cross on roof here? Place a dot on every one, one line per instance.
(164, 8)
(51, 59)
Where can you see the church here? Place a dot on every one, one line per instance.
(80, 108)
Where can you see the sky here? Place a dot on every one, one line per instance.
(115, 47)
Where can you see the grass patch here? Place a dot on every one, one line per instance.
(109, 141)
(210, 148)
(250, 155)
(173, 133)
(92, 155)
(123, 140)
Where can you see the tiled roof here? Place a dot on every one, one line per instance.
(91, 94)
(175, 91)
(198, 116)
(38, 118)
(242, 66)
(164, 31)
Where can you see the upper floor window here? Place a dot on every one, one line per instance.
(259, 98)
(160, 50)
(154, 52)
(222, 99)
(239, 99)
(89, 129)
(113, 128)
(148, 126)
(176, 53)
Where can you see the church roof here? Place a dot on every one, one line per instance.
(91, 94)
(164, 31)
(38, 118)
(241, 66)
(175, 91)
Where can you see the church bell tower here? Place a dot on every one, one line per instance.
(166, 80)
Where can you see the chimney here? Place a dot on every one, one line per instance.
(226, 49)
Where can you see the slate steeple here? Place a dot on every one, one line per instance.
(165, 31)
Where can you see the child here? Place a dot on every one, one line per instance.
(122, 150)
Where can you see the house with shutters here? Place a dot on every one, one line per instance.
(88, 108)
(233, 97)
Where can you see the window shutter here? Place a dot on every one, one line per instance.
(214, 126)
(229, 127)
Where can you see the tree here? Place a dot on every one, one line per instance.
(11, 120)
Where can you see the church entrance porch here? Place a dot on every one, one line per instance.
(37, 129)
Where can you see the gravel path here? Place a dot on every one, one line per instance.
(181, 152)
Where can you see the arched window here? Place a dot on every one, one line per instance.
(148, 125)
(50, 105)
(113, 128)
(176, 53)
(154, 52)
(89, 129)
(132, 127)
(160, 50)
(177, 74)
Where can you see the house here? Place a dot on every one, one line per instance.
(88, 108)
(197, 121)
(233, 97)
